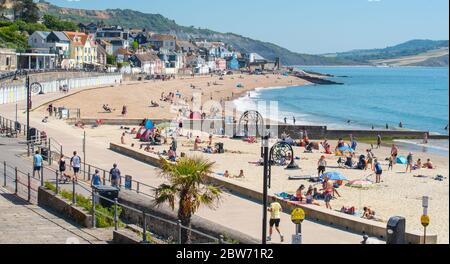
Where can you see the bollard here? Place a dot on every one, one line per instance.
(179, 231)
(74, 199)
(144, 228)
(116, 220)
(15, 180)
(4, 173)
(29, 187)
(56, 182)
(93, 209)
(221, 239)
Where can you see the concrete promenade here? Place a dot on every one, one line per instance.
(234, 212)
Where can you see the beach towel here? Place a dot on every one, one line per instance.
(283, 195)
(401, 160)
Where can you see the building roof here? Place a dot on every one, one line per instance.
(185, 44)
(77, 38)
(123, 51)
(162, 37)
(61, 36)
(42, 34)
(148, 56)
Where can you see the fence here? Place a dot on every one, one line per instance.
(16, 92)
(26, 186)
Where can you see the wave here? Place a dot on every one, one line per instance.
(432, 144)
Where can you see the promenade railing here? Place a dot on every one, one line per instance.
(25, 185)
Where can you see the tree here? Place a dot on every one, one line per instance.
(135, 45)
(111, 60)
(57, 24)
(187, 183)
(26, 10)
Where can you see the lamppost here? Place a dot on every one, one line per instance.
(266, 175)
(27, 84)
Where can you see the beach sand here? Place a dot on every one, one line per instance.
(399, 194)
(138, 95)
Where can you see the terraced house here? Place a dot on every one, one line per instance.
(83, 49)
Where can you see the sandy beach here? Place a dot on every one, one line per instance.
(399, 193)
(137, 96)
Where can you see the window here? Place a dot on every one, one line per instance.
(7, 61)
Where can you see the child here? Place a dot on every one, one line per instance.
(391, 164)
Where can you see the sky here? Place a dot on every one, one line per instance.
(305, 26)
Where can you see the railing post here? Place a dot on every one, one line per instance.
(116, 220)
(49, 151)
(179, 231)
(56, 182)
(29, 187)
(74, 199)
(144, 228)
(28, 148)
(15, 180)
(89, 172)
(42, 174)
(93, 208)
(221, 239)
(137, 187)
(4, 173)
(104, 177)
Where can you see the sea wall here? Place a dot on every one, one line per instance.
(295, 131)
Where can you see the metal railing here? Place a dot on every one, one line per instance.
(79, 187)
(50, 173)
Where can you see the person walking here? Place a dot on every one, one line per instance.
(378, 171)
(114, 175)
(96, 179)
(409, 162)
(75, 163)
(62, 169)
(378, 141)
(37, 163)
(275, 219)
(174, 144)
(321, 165)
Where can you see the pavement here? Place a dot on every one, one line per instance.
(234, 212)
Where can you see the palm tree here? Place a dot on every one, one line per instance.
(187, 184)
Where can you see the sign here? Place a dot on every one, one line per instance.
(296, 239)
(425, 205)
(128, 182)
(425, 220)
(425, 201)
(297, 216)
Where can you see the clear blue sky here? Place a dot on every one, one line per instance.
(307, 26)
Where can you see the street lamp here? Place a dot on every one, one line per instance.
(266, 175)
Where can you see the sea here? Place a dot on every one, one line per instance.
(418, 97)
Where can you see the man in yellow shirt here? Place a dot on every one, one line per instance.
(275, 217)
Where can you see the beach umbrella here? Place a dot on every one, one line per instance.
(149, 124)
(345, 148)
(401, 160)
(195, 116)
(334, 176)
(360, 184)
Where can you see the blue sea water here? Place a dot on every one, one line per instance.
(418, 97)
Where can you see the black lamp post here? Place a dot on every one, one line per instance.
(266, 175)
(27, 84)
